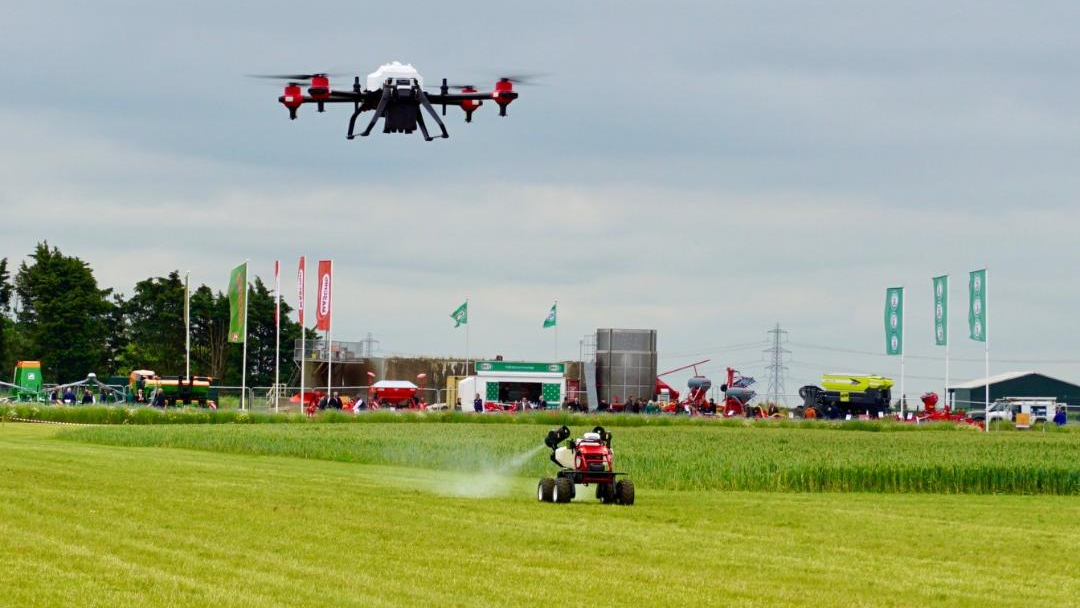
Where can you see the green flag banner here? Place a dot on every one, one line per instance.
(461, 314)
(894, 321)
(977, 305)
(550, 320)
(941, 310)
(237, 297)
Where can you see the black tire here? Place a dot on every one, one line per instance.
(605, 492)
(624, 492)
(564, 490)
(545, 490)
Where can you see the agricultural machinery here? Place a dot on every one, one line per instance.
(737, 393)
(697, 396)
(400, 394)
(174, 388)
(931, 413)
(843, 395)
(394, 393)
(26, 384)
(583, 461)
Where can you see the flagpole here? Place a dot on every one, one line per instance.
(277, 333)
(986, 333)
(243, 364)
(903, 332)
(948, 338)
(329, 339)
(187, 326)
(556, 331)
(301, 277)
(466, 337)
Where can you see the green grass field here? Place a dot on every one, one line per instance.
(684, 457)
(100, 525)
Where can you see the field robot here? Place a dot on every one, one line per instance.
(585, 461)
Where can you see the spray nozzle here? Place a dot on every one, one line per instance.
(556, 436)
(605, 436)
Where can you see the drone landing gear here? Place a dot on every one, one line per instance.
(420, 118)
(423, 127)
(394, 119)
(352, 121)
(383, 99)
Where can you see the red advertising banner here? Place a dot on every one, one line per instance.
(301, 274)
(325, 284)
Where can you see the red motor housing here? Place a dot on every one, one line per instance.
(292, 98)
(320, 87)
(504, 94)
(470, 105)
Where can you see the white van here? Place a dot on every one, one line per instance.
(1039, 409)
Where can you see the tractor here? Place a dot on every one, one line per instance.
(583, 461)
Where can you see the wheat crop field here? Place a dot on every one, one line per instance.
(431, 515)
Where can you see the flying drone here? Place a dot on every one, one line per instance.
(395, 93)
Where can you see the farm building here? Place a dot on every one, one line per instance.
(970, 395)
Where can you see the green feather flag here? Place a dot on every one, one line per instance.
(461, 314)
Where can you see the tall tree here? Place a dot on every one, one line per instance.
(5, 287)
(62, 314)
(155, 325)
(116, 361)
(261, 336)
(209, 333)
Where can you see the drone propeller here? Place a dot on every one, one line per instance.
(292, 77)
(530, 79)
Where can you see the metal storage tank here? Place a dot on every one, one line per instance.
(625, 363)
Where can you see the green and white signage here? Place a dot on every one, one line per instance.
(520, 366)
(941, 310)
(894, 321)
(977, 305)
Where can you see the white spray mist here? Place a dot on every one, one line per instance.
(487, 483)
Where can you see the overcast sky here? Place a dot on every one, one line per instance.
(706, 169)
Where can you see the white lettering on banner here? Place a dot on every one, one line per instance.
(300, 289)
(324, 296)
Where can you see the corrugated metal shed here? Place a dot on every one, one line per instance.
(970, 395)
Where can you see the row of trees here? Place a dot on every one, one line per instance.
(52, 310)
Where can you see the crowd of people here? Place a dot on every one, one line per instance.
(68, 395)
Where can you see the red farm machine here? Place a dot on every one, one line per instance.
(586, 461)
(737, 394)
(697, 396)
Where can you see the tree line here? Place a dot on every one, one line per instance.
(52, 310)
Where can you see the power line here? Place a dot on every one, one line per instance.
(928, 357)
(715, 349)
(776, 370)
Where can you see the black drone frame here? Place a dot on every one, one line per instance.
(392, 103)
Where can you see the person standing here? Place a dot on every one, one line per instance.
(1060, 417)
(478, 404)
(334, 402)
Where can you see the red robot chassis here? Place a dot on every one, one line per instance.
(583, 461)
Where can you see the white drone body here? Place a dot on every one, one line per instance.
(394, 71)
